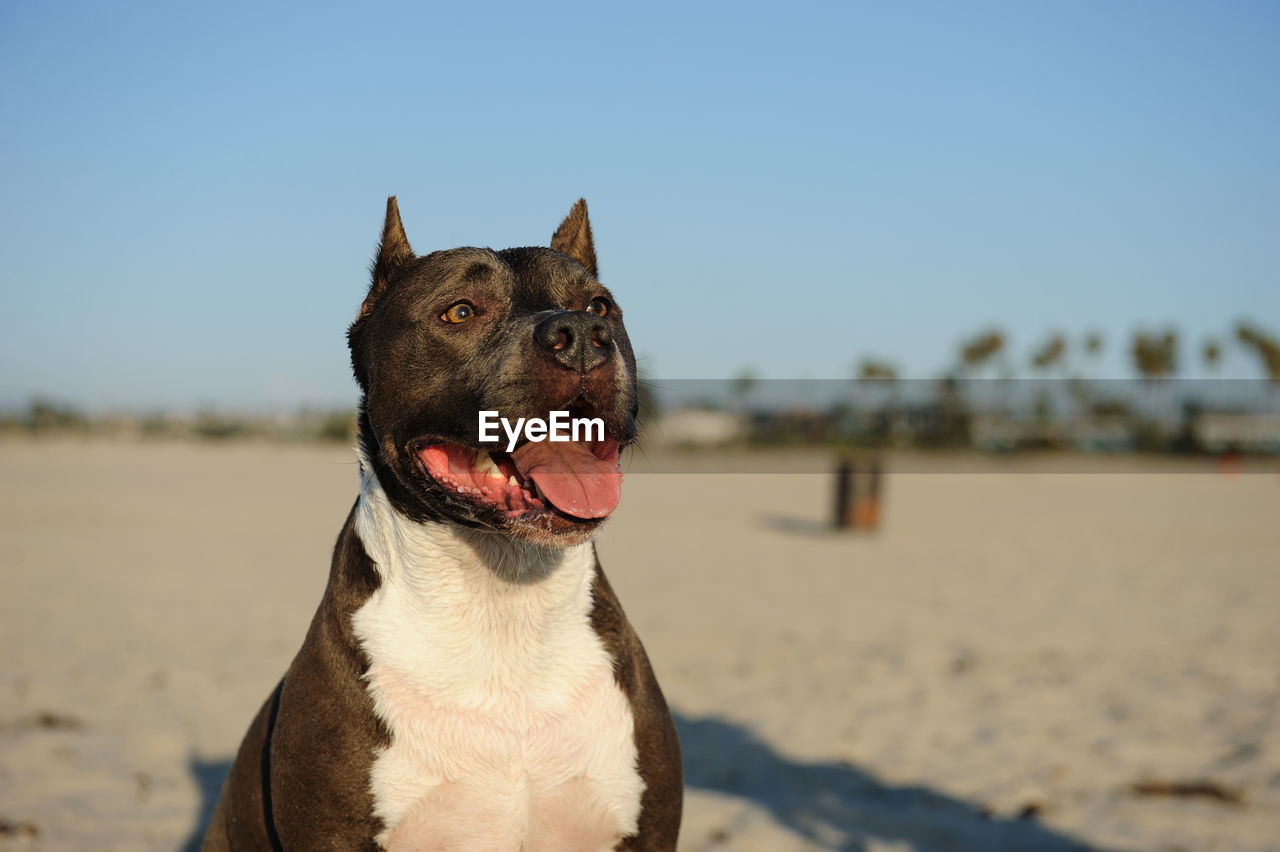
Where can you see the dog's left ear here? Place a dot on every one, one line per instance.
(573, 237)
(393, 252)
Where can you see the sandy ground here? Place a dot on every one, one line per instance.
(994, 669)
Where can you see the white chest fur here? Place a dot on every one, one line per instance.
(508, 730)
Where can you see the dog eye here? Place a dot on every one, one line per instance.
(599, 307)
(459, 312)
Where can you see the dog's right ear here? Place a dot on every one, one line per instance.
(573, 238)
(393, 252)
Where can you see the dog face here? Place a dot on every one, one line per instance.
(523, 331)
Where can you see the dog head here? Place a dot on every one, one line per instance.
(523, 332)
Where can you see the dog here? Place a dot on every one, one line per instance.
(469, 680)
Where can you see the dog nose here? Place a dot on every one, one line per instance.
(577, 340)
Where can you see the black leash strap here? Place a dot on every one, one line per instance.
(268, 813)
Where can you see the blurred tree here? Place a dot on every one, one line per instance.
(46, 415)
(337, 426)
(1155, 356)
(1093, 344)
(871, 369)
(975, 353)
(1263, 345)
(881, 378)
(1211, 354)
(1081, 390)
(743, 384)
(1052, 353)
(981, 349)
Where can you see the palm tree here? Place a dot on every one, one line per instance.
(871, 369)
(743, 384)
(979, 350)
(1155, 356)
(1211, 354)
(1080, 389)
(874, 373)
(1264, 346)
(1052, 353)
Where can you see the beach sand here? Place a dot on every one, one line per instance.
(995, 668)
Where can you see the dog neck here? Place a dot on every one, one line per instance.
(459, 611)
(402, 547)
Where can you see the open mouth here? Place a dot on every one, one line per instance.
(578, 479)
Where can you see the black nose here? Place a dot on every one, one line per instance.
(577, 340)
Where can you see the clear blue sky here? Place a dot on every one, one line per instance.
(191, 192)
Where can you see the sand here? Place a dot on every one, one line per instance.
(994, 669)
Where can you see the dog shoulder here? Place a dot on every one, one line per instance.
(657, 744)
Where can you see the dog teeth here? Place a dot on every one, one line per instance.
(486, 465)
(511, 480)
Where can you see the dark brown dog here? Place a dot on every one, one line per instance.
(469, 680)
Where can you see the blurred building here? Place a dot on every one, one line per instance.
(1248, 433)
(697, 427)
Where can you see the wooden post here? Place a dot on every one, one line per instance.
(844, 495)
(856, 507)
(867, 511)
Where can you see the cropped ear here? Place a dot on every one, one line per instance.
(573, 238)
(393, 252)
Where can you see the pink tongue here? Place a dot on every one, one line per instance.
(571, 477)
